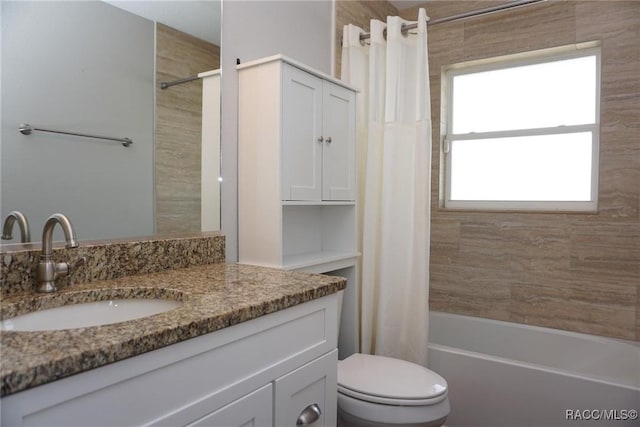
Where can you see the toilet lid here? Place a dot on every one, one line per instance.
(391, 381)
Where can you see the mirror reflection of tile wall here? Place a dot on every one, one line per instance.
(178, 128)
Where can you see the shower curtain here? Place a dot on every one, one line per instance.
(394, 161)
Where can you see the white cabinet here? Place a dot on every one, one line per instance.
(233, 377)
(318, 138)
(296, 175)
(296, 166)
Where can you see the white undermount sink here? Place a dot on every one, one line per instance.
(88, 314)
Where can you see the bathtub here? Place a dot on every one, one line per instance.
(503, 374)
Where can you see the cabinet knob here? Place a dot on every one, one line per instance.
(309, 415)
(329, 140)
(320, 139)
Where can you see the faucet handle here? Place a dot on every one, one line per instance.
(54, 270)
(79, 262)
(64, 268)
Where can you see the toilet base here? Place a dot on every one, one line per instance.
(348, 420)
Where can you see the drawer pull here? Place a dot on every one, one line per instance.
(310, 414)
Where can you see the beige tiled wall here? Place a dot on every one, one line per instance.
(178, 128)
(579, 272)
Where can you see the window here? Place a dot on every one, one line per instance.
(522, 131)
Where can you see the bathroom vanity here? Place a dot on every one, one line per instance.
(248, 344)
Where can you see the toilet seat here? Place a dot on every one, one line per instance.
(391, 401)
(379, 379)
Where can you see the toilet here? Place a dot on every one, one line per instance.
(378, 391)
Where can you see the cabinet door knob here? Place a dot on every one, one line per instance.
(310, 414)
(329, 140)
(320, 139)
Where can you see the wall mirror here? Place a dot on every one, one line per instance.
(95, 68)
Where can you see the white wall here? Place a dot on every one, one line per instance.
(302, 30)
(86, 67)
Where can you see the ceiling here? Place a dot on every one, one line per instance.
(198, 18)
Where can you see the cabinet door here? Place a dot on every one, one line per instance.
(254, 409)
(338, 158)
(301, 135)
(310, 388)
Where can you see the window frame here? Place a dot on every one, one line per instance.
(510, 61)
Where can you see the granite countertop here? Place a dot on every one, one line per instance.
(214, 296)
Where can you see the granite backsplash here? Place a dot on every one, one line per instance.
(110, 259)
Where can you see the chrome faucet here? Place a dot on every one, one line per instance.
(12, 218)
(48, 270)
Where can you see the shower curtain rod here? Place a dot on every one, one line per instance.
(473, 13)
